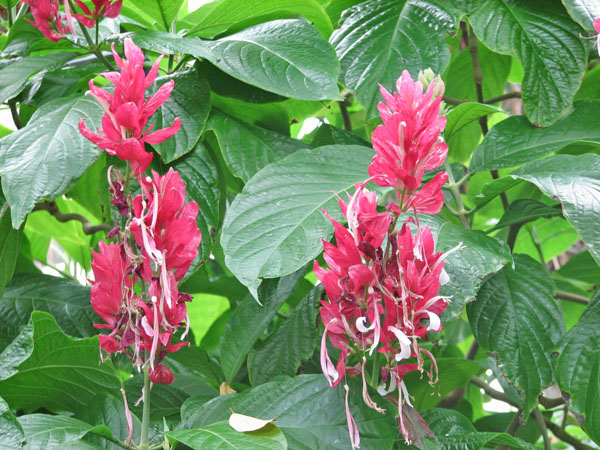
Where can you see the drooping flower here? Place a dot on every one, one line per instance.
(102, 8)
(47, 18)
(161, 374)
(408, 143)
(127, 110)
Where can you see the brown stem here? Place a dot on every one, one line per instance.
(502, 97)
(345, 116)
(454, 101)
(540, 420)
(566, 437)
(88, 228)
(14, 112)
(513, 232)
(562, 295)
(490, 391)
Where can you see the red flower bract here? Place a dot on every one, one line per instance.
(47, 19)
(102, 8)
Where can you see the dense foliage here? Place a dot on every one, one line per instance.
(299, 224)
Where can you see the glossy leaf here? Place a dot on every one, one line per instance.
(247, 148)
(581, 267)
(220, 16)
(554, 65)
(584, 12)
(275, 225)
(11, 432)
(42, 160)
(248, 321)
(464, 114)
(10, 242)
(190, 101)
(162, 12)
(310, 414)
(515, 141)
(525, 210)
(67, 301)
(516, 317)
(42, 356)
(555, 176)
(199, 172)
(290, 345)
(378, 39)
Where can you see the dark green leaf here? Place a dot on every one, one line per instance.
(220, 435)
(41, 160)
(190, 101)
(195, 361)
(14, 76)
(464, 114)
(592, 407)
(329, 135)
(584, 12)
(526, 210)
(247, 148)
(581, 267)
(54, 371)
(377, 39)
(199, 172)
(292, 343)
(220, 16)
(554, 64)
(310, 414)
(67, 301)
(575, 181)
(162, 41)
(10, 243)
(516, 317)
(11, 432)
(275, 225)
(249, 320)
(515, 141)
(21, 36)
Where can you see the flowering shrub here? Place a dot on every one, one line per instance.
(299, 224)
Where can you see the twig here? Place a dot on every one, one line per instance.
(454, 101)
(562, 295)
(540, 420)
(490, 391)
(345, 116)
(566, 437)
(472, 352)
(88, 228)
(454, 190)
(14, 112)
(502, 97)
(513, 232)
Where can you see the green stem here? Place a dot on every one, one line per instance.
(9, 12)
(97, 31)
(454, 190)
(93, 47)
(540, 420)
(112, 439)
(145, 412)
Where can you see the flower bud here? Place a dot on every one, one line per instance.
(161, 374)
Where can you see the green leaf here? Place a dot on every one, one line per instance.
(515, 141)
(190, 101)
(526, 210)
(11, 432)
(329, 135)
(161, 41)
(42, 160)
(55, 371)
(592, 407)
(310, 414)
(67, 301)
(10, 243)
(464, 114)
(199, 172)
(14, 76)
(275, 225)
(377, 39)
(220, 435)
(294, 59)
(555, 176)
(581, 267)
(584, 12)
(109, 411)
(553, 65)
(162, 12)
(247, 148)
(21, 36)
(47, 431)
(577, 361)
(516, 317)
(292, 343)
(249, 320)
(220, 16)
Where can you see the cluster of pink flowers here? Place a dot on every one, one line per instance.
(54, 26)
(382, 283)
(135, 287)
(127, 110)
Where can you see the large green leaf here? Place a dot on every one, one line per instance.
(294, 59)
(11, 432)
(43, 368)
(42, 160)
(575, 180)
(54, 432)
(199, 172)
(310, 414)
(292, 343)
(584, 12)
(249, 320)
(161, 12)
(220, 435)
(219, 16)
(190, 101)
(247, 148)
(546, 41)
(592, 407)
(14, 76)
(581, 268)
(275, 225)
(515, 141)
(526, 210)
(10, 243)
(516, 317)
(464, 114)
(67, 301)
(577, 359)
(378, 39)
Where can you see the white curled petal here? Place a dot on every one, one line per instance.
(434, 322)
(404, 341)
(444, 277)
(361, 325)
(381, 390)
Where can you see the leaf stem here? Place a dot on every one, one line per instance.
(499, 98)
(9, 13)
(453, 188)
(566, 437)
(88, 228)
(112, 439)
(345, 116)
(146, 411)
(14, 112)
(93, 47)
(540, 420)
(563, 295)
